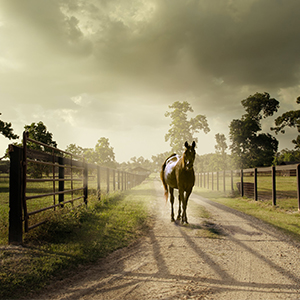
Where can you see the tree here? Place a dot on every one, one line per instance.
(221, 147)
(7, 131)
(38, 132)
(75, 150)
(291, 119)
(249, 148)
(183, 129)
(104, 153)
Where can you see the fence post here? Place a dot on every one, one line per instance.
(274, 185)
(224, 181)
(86, 180)
(218, 181)
(15, 235)
(204, 182)
(212, 181)
(98, 183)
(61, 183)
(200, 179)
(242, 183)
(255, 184)
(298, 185)
(107, 180)
(231, 177)
(119, 180)
(208, 180)
(114, 180)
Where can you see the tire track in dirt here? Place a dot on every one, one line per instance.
(249, 260)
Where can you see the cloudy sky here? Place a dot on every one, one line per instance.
(110, 68)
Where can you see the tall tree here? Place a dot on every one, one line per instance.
(221, 147)
(104, 153)
(39, 133)
(7, 131)
(290, 119)
(249, 148)
(183, 129)
(74, 149)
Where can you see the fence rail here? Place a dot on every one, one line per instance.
(68, 181)
(247, 182)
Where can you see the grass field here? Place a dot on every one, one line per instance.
(284, 215)
(286, 186)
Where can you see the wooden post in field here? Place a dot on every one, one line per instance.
(119, 180)
(15, 235)
(114, 179)
(204, 182)
(255, 184)
(86, 180)
(208, 180)
(231, 176)
(217, 180)
(107, 180)
(242, 183)
(274, 185)
(224, 181)
(98, 183)
(298, 185)
(212, 181)
(61, 177)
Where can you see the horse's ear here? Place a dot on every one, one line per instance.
(186, 144)
(194, 144)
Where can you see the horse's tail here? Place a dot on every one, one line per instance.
(162, 177)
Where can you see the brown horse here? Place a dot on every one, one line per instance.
(178, 173)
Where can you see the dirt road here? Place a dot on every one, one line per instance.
(247, 260)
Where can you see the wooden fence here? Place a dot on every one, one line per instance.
(246, 182)
(59, 178)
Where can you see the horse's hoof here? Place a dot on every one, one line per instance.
(172, 220)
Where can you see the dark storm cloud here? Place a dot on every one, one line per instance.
(119, 63)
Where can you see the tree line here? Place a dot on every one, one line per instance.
(250, 147)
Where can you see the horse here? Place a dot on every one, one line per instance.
(178, 173)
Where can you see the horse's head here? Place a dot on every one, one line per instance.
(189, 156)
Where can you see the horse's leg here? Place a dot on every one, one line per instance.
(184, 204)
(180, 198)
(172, 203)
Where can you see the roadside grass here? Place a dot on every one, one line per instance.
(74, 237)
(284, 215)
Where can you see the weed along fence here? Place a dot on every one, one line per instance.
(48, 179)
(268, 183)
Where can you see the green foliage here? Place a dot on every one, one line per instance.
(249, 148)
(221, 147)
(183, 129)
(7, 131)
(103, 154)
(38, 132)
(290, 119)
(287, 155)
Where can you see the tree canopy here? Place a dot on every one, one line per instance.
(290, 119)
(183, 129)
(38, 131)
(249, 148)
(7, 131)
